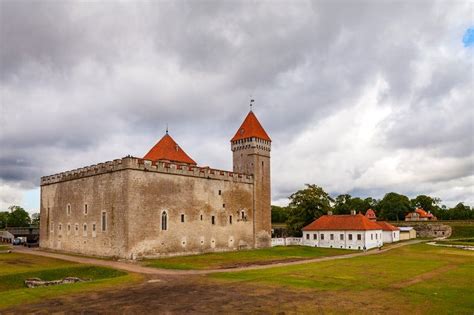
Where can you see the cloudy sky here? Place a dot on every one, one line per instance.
(359, 97)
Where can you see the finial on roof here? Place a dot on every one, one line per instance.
(251, 104)
(166, 128)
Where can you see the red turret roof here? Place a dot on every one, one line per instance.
(342, 222)
(251, 127)
(168, 149)
(370, 214)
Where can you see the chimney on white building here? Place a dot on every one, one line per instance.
(329, 212)
(353, 212)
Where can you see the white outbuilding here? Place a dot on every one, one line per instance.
(390, 233)
(353, 231)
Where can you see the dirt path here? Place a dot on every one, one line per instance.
(137, 268)
(423, 277)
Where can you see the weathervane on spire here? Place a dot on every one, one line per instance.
(251, 103)
(166, 128)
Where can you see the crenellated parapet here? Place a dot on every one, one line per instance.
(134, 163)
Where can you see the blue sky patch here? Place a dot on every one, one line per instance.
(468, 38)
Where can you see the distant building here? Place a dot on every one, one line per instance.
(354, 231)
(407, 232)
(420, 215)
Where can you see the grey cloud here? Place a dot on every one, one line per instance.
(74, 75)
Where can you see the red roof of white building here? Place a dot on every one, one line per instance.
(251, 127)
(387, 226)
(167, 149)
(342, 222)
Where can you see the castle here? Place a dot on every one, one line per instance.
(162, 204)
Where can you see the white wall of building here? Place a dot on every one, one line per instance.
(344, 239)
(391, 236)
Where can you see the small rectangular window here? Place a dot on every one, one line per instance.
(341, 237)
(223, 205)
(93, 227)
(307, 236)
(85, 209)
(350, 237)
(182, 217)
(376, 236)
(315, 236)
(220, 192)
(371, 236)
(230, 219)
(60, 226)
(85, 227)
(201, 217)
(68, 209)
(322, 237)
(69, 227)
(213, 220)
(104, 221)
(359, 237)
(331, 236)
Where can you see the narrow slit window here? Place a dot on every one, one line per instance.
(104, 221)
(164, 221)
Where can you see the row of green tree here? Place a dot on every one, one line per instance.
(17, 216)
(312, 202)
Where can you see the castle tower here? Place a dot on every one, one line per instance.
(251, 147)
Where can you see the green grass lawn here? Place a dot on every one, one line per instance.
(5, 247)
(244, 257)
(443, 280)
(462, 230)
(461, 241)
(16, 267)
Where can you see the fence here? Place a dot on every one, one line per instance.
(287, 241)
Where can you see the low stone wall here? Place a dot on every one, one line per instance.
(428, 229)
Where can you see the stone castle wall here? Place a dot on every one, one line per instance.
(133, 193)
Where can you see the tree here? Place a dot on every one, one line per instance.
(35, 219)
(18, 216)
(394, 206)
(305, 206)
(279, 214)
(426, 203)
(3, 219)
(342, 204)
(345, 203)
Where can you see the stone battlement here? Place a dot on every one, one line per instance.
(134, 163)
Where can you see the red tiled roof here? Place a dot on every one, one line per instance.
(342, 222)
(251, 127)
(421, 213)
(370, 214)
(168, 149)
(387, 226)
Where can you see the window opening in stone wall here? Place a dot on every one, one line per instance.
(350, 237)
(220, 192)
(60, 227)
(307, 236)
(223, 205)
(322, 237)
(104, 221)
(359, 237)
(85, 209)
(230, 219)
(182, 217)
(69, 227)
(243, 215)
(331, 236)
(315, 236)
(164, 221)
(213, 220)
(341, 237)
(93, 227)
(68, 211)
(85, 227)
(200, 217)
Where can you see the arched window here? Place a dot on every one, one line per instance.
(164, 221)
